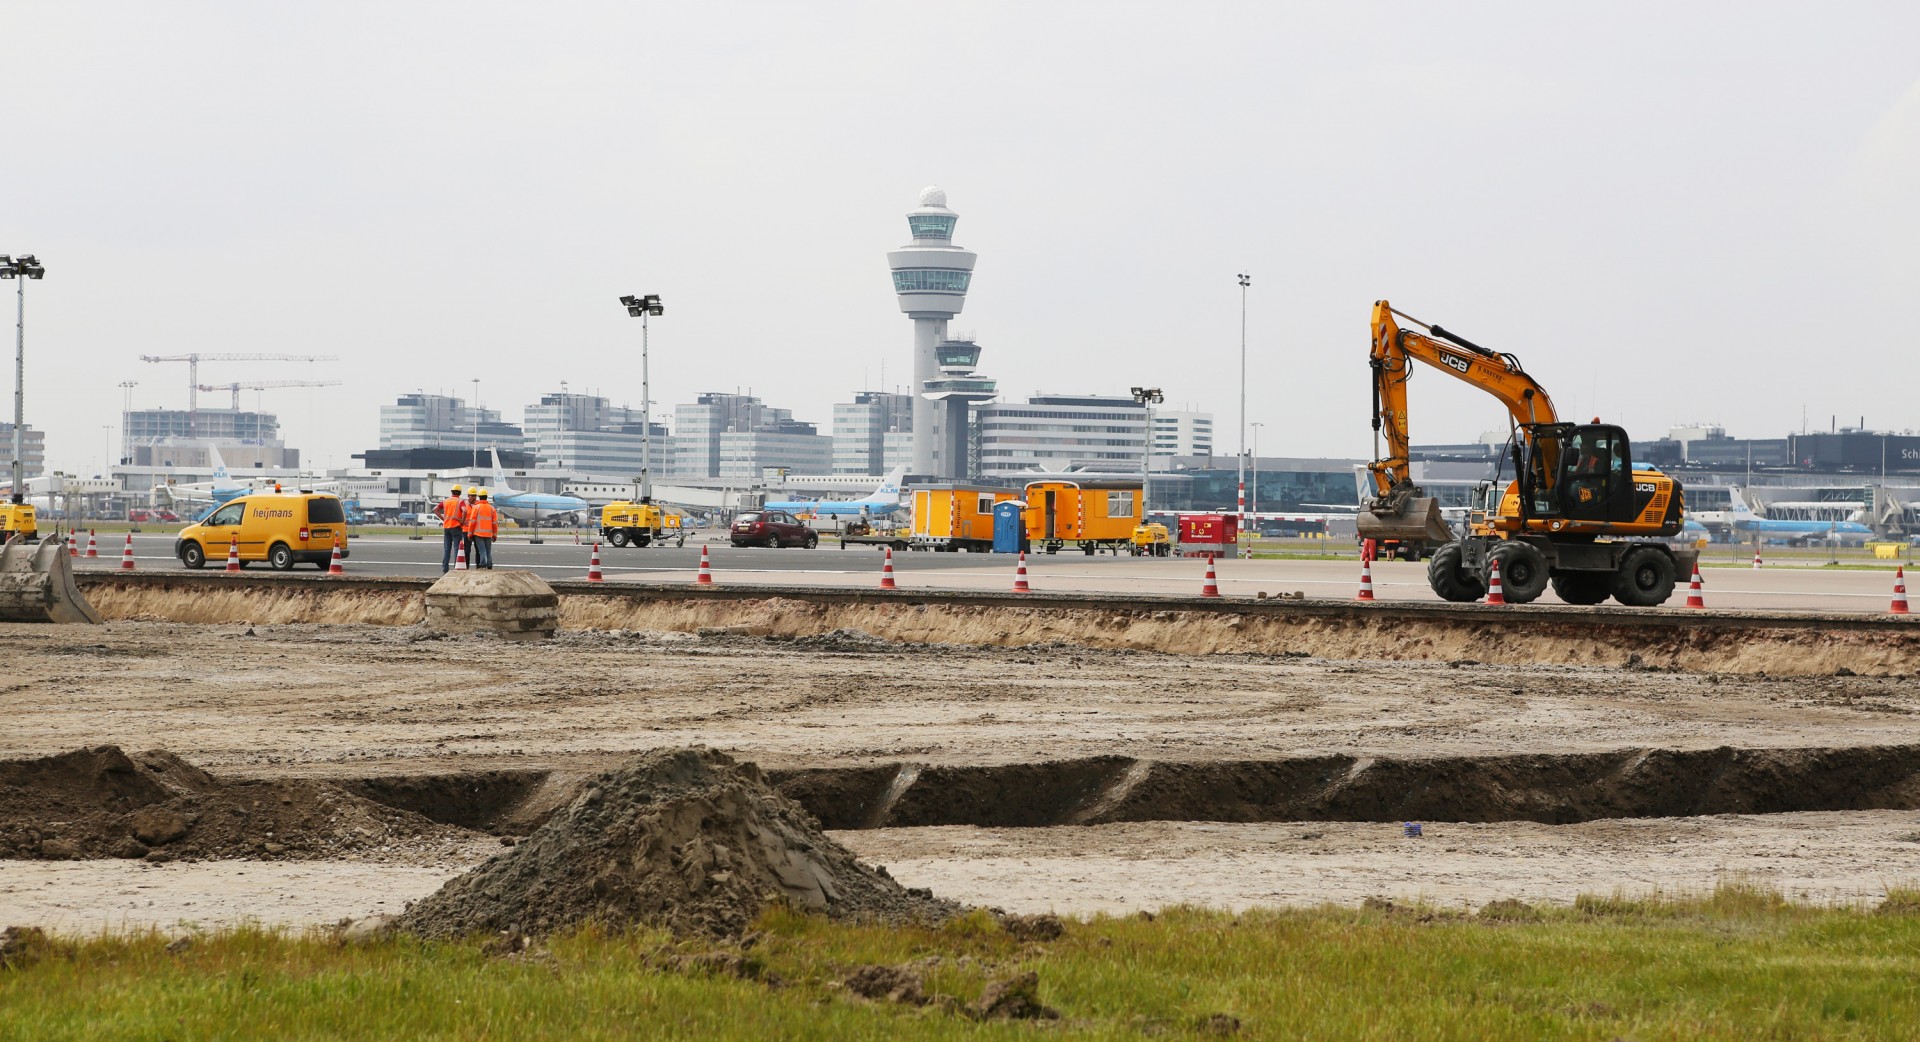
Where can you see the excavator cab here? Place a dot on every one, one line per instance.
(1578, 472)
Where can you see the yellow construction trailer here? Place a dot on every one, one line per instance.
(955, 517)
(1092, 515)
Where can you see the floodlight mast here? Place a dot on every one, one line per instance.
(641, 306)
(27, 267)
(1148, 397)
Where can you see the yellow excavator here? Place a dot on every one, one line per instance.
(1578, 514)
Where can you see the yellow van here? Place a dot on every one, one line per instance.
(280, 528)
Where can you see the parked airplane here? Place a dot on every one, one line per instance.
(885, 500)
(225, 486)
(527, 506)
(1745, 520)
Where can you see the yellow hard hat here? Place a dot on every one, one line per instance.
(456, 490)
(483, 493)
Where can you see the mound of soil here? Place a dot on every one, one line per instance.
(101, 802)
(681, 838)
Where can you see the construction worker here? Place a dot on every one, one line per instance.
(485, 526)
(453, 527)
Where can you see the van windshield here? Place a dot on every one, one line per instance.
(324, 510)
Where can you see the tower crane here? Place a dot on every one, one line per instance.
(193, 361)
(262, 385)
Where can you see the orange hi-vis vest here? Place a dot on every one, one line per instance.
(486, 523)
(453, 513)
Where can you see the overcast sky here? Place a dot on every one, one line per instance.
(1671, 212)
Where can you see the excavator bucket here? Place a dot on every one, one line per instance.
(36, 585)
(1410, 519)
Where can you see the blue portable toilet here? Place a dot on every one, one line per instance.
(1009, 527)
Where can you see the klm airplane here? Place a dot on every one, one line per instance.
(527, 506)
(1744, 519)
(885, 500)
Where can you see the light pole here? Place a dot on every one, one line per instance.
(1148, 397)
(640, 307)
(1253, 494)
(1240, 501)
(126, 429)
(27, 267)
(473, 418)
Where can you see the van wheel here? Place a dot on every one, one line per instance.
(193, 555)
(280, 557)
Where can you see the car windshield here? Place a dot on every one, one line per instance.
(325, 510)
(748, 518)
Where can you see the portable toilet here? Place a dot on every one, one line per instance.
(1009, 527)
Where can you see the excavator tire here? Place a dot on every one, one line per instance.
(1451, 581)
(1645, 578)
(1583, 587)
(1523, 571)
(36, 585)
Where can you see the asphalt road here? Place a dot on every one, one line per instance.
(1809, 588)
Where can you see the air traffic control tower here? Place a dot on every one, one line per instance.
(930, 275)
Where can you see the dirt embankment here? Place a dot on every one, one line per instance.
(278, 604)
(102, 802)
(682, 838)
(1521, 639)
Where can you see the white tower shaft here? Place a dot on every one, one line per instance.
(930, 278)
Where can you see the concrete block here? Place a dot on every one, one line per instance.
(517, 605)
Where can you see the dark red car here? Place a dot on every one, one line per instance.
(772, 528)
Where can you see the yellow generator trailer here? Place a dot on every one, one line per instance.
(1152, 540)
(1092, 515)
(951, 518)
(626, 523)
(17, 519)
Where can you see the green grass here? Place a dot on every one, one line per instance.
(1740, 963)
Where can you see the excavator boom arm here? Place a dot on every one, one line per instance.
(1394, 351)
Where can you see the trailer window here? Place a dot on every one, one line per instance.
(984, 505)
(1120, 504)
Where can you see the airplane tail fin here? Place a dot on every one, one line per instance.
(890, 488)
(1738, 507)
(499, 474)
(219, 469)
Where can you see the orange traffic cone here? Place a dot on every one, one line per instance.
(593, 566)
(126, 556)
(335, 566)
(73, 546)
(1899, 606)
(1756, 555)
(233, 554)
(1494, 593)
(1211, 588)
(460, 557)
(1020, 576)
(1694, 600)
(706, 568)
(886, 572)
(91, 550)
(1366, 578)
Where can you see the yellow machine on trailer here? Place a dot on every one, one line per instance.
(626, 522)
(17, 519)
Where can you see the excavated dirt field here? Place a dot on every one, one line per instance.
(380, 761)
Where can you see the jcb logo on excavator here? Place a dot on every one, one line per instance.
(1646, 486)
(1455, 362)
